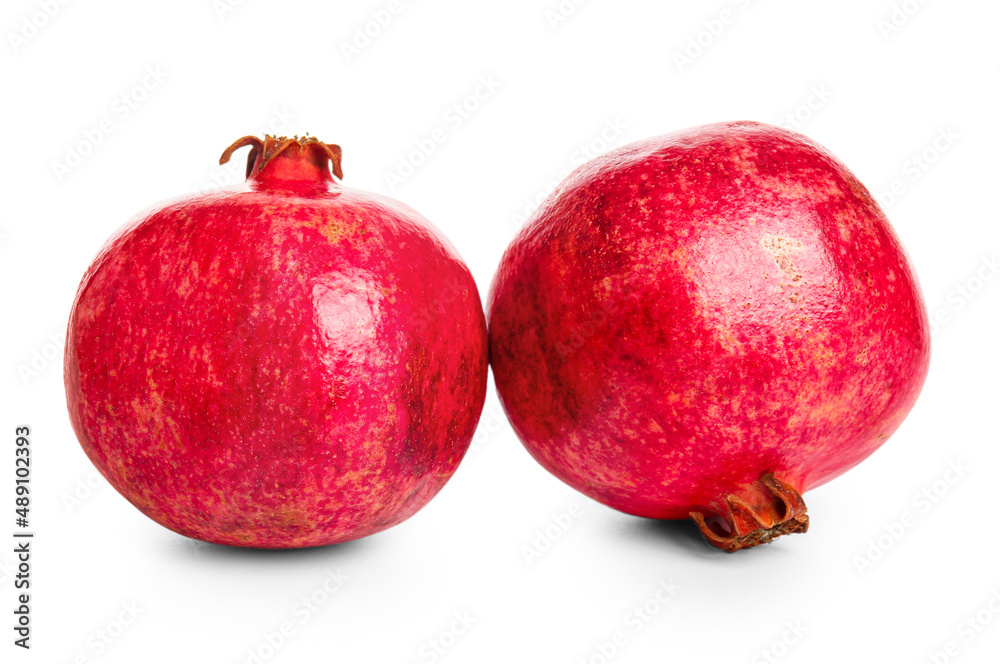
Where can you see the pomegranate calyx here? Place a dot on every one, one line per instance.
(271, 146)
(747, 523)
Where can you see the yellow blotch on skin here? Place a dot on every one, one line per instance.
(782, 249)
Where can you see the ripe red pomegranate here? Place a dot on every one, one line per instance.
(708, 324)
(285, 364)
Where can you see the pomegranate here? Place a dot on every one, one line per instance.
(288, 363)
(708, 324)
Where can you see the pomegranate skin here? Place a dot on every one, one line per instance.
(689, 313)
(291, 363)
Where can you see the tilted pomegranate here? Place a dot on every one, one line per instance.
(708, 324)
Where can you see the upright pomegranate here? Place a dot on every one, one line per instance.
(289, 363)
(708, 324)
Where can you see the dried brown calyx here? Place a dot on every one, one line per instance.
(766, 509)
(272, 146)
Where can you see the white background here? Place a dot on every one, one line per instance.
(877, 97)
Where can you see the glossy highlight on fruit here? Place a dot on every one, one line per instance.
(706, 325)
(288, 363)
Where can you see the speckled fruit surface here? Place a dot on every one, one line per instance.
(708, 324)
(286, 364)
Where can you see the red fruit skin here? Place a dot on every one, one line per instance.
(289, 364)
(690, 312)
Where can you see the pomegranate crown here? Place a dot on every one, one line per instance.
(272, 146)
